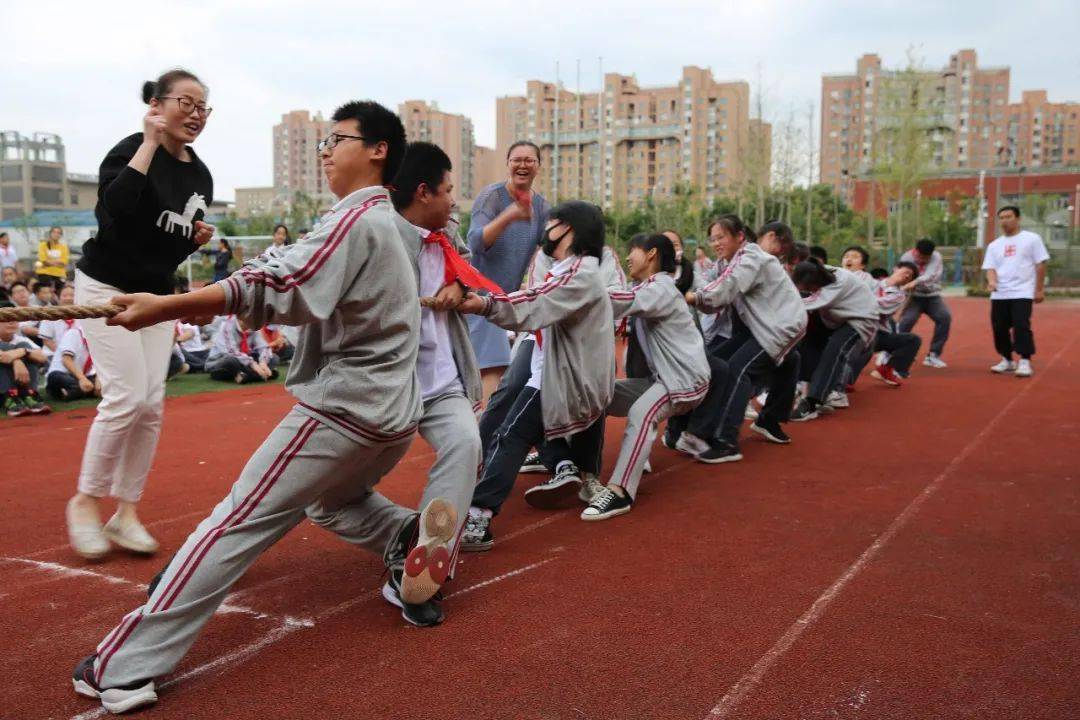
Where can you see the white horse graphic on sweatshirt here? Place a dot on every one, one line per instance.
(168, 220)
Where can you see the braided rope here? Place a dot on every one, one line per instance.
(58, 312)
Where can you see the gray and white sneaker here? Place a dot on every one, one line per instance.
(607, 504)
(691, 444)
(934, 361)
(477, 537)
(117, 699)
(838, 400)
(1005, 366)
(589, 488)
(1023, 368)
(558, 491)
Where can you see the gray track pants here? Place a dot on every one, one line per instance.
(449, 427)
(643, 403)
(303, 466)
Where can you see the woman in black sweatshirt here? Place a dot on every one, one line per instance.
(153, 194)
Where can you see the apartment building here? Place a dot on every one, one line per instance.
(626, 143)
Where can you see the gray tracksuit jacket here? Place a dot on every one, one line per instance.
(350, 285)
(890, 298)
(847, 301)
(758, 287)
(462, 349)
(672, 344)
(928, 284)
(574, 313)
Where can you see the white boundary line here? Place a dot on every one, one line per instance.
(748, 682)
(291, 625)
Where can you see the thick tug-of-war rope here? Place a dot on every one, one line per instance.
(58, 312)
(85, 312)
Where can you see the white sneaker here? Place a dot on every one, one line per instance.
(691, 444)
(934, 361)
(86, 537)
(751, 413)
(837, 400)
(130, 536)
(648, 466)
(1023, 368)
(1005, 366)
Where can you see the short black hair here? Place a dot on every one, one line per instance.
(817, 251)
(17, 283)
(800, 251)
(1016, 210)
(424, 164)
(879, 273)
(665, 249)
(523, 143)
(3, 234)
(587, 222)
(42, 285)
(813, 274)
(925, 246)
(862, 253)
(377, 124)
(907, 264)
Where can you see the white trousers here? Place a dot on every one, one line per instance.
(132, 366)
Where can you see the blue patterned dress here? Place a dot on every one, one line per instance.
(505, 262)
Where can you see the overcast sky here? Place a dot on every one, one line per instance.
(75, 68)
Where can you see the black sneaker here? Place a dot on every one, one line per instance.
(559, 491)
(477, 535)
(770, 430)
(116, 699)
(532, 464)
(720, 452)
(804, 411)
(156, 580)
(425, 614)
(671, 438)
(607, 504)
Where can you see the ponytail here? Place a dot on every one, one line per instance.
(812, 275)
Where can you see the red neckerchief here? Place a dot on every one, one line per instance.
(456, 268)
(89, 360)
(244, 346)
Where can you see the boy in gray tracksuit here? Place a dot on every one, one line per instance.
(675, 355)
(926, 299)
(446, 365)
(572, 367)
(757, 287)
(848, 308)
(349, 283)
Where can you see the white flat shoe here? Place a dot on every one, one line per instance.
(130, 536)
(86, 538)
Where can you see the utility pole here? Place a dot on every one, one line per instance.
(578, 127)
(809, 171)
(555, 151)
(980, 229)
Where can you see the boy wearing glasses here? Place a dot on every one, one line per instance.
(350, 285)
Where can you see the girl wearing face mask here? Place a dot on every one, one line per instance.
(572, 375)
(153, 195)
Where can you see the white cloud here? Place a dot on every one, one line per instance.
(75, 68)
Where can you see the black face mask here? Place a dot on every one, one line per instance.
(548, 244)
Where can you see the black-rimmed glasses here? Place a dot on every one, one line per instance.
(188, 105)
(331, 141)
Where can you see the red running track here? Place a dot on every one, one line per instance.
(912, 557)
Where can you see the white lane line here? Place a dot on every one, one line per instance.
(748, 682)
(63, 572)
(291, 625)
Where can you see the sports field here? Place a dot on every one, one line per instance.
(915, 556)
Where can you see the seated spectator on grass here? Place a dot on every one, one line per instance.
(20, 365)
(43, 295)
(51, 332)
(71, 372)
(20, 297)
(275, 339)
(8, 277)
(177, 366)
(192, 347)
(239, 355)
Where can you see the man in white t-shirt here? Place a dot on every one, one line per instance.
(1015, 265)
